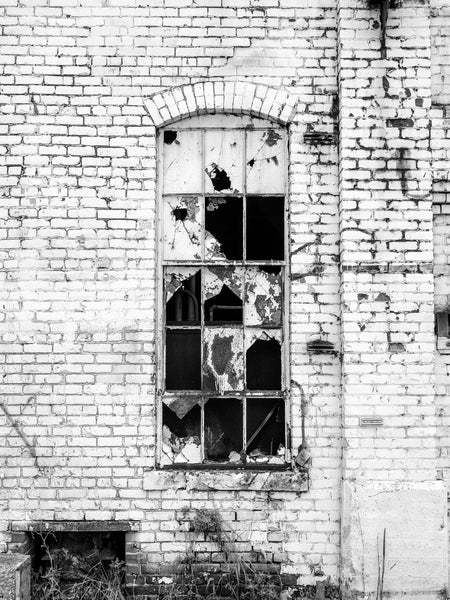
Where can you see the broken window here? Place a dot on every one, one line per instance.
(223, 264)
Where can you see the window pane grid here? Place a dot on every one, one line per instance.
(250, 331)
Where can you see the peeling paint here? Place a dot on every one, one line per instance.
(263, 297)
(223, 363)
(215, 277)
(176, 277)
(261, 334)
(180, 405)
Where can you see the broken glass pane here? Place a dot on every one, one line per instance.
(263, 298)
(223, 429)
(265, 162)
(182, 228)
(223, 359)
(263, 359)
(174, 277)
(182, 168)
(223, 161)
(223, 221)
(265, 228)
(181, 435)
(183, 306)
(266, 430)
(183, 359)
(223, 294)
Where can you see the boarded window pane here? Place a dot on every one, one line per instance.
(223, 161)
(182, 228)
(183, 362)
(265, 228)
(182, 167)
(265, 162)
(223, 429)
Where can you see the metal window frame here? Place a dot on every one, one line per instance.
(225, 123)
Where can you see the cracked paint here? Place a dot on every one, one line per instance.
(223, 359)
(263, 298)
(215, 278)
(265, 162)
(182, 235)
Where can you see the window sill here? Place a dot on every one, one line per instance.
(443, 345)
(203, 478)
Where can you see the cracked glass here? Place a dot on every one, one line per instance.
(223, 227)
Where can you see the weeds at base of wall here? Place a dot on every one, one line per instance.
(237, 578)
(68, 577)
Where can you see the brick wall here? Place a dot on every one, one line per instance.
(78, 258)
(78, 253)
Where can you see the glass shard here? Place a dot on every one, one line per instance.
(266, 430)
(263, 297)
(265, 162)
(182, 228)
(223, 221)
(223, 294)
(184, 304)
(223, 161)
(181, 436)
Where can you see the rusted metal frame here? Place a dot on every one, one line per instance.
(285, 302)
(244, 283)
(202, 287)
(160, 345)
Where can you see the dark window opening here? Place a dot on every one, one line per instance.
(265, 427)
(223, 220)
(183, 359)
(265, 228)
(264, 365)
(81, 561)
(223, 429)
(184, 306)
(226, 307)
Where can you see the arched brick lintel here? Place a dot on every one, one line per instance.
(234, 97)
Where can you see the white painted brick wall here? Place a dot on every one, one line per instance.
(78, 246)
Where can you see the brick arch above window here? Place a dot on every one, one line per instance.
(233, 97)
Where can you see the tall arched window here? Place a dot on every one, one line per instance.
(223, 229)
